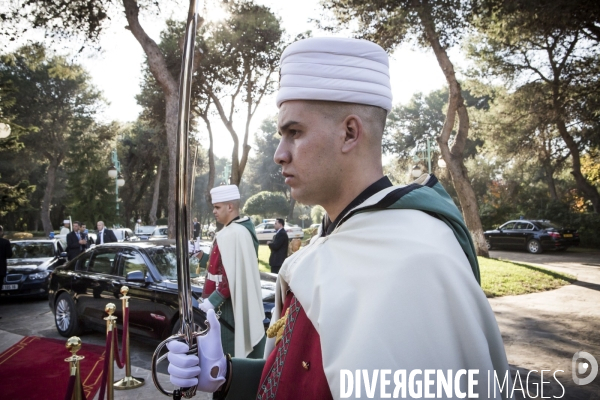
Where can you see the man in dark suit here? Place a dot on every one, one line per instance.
(105, 235)
(279, 246)
(76, 242)
(196, 228)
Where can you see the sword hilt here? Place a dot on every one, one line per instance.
(186, 393)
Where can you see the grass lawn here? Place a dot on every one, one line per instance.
(498, 277)
(263, 258)
(506, 278)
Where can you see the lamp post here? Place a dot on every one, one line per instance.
(416, 170)
(226, 177)
(114, 172)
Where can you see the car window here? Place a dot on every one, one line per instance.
(165, 260)
(32, 250)
(529, 227)
(132, 261)
(270, 226)
(60, 247)
(545, 225)
(83, 262)
(508, 226)
(261, 226)
(103, 262)
(521, 225)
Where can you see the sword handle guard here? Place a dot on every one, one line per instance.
(187, 393)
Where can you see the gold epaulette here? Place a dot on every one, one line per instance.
(276, 330)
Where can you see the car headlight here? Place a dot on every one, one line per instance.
(39, 275)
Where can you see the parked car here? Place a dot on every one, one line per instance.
(266, 231)
(160, 233)
(125, 235)
(144, 232)
(533, 235)
(80, 290)
(30, 267)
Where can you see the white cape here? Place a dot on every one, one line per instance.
(241, 266)
(393, 289)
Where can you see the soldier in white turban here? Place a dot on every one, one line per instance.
(385, 300)
(66, 228)
(232, 284)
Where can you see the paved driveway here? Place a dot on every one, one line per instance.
(542, 331)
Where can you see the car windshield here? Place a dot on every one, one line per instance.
(165, 259)
(32, 250)
(545, 225)
(145, 230)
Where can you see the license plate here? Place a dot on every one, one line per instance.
(568, 235)
(10, 287)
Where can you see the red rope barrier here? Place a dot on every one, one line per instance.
(109, 339)
(121, 359)
(70, 387)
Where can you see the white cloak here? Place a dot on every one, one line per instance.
(241, 266)
(394, 290)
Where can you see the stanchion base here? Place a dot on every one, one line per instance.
(129, 382)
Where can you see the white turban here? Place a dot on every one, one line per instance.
(221, 194)
(335, 69)
(66, 221)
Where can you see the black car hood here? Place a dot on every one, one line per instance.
(22, 265)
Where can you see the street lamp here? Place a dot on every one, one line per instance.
(416, 170)
(114, 172)
(4, 131)
(226, 177)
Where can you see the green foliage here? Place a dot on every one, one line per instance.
(316, 214)
(263, 173)
(90, 191)
(15, 199)
(390, 22)
(50, 103)
(267, 204)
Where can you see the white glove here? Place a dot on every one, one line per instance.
(191, 370)
(206, 305)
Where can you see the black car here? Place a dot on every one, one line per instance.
(80, 290)
(30, 267)
(533, 235)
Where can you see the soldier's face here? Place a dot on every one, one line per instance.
(221, 212)
(308, 152)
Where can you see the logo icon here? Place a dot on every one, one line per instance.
(583, 363)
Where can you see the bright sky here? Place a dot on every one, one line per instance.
(117, 69)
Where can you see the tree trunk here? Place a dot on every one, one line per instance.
(48, 194)
(154, 207)
(158, 67)
(291, 212)
(584, 187)
(549, 172)
(454, 156)
(211, 162)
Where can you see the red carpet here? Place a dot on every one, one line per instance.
(35, 368)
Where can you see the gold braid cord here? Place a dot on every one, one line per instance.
(276, 330)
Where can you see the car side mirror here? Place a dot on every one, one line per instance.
(136, 276)
(63, 254)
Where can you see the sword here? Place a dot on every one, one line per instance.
(186, 316)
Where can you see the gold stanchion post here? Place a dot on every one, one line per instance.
(73, 345)
(128, 382)
(111, 323)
